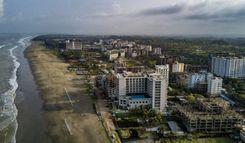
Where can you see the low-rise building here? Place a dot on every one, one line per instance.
(134, 101)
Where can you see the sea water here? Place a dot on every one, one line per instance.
(9, 45)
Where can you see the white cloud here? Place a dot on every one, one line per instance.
(125, 16)
(1, 8)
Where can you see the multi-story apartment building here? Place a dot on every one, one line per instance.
(157, 89)
(166, 59)
(114, 54)
(232, 67)
(214, 86)
(178, 67)
(163, 70)
(121, 65)
(194, 78)
(205, 82)
(139, 89)
(157, 51)
(111, 86)
(74, 45)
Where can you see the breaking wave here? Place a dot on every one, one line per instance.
(8, 110)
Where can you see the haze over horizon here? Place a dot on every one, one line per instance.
(124, 17)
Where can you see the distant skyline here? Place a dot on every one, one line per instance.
(124, 17)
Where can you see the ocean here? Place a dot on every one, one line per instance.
(20, 104)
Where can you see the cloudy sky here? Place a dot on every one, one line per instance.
(148, 17)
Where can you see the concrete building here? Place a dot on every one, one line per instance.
(195, 78)
(134, 54)
(163, 70)
(74, 45)
(208, 116)
(121, 65)
(195, 68)
(205, 82)
(114, 54)
(166, 59)
(242, 134)
(110, 85)
(232, 67)
(214, 86)
(139, 89)
(178, 67)
(134, 101)
(158, 51)
(157, 85)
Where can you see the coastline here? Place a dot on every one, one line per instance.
(10, 125)
(31, 127)
(63, 122)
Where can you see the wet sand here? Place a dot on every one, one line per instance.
(31, 126)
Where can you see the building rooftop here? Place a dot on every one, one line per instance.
(229, 57)
(193, 111)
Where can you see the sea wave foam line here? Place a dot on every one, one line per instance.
(10, 109)
(1, 46)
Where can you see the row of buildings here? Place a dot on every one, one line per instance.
(205, 82)
(232, 67)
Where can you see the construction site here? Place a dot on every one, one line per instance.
(211, 116)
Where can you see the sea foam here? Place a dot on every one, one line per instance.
(1, 46)
(9, 110)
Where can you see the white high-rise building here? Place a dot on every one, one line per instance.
(139, 89)
(214, 86)
(232, 67)
(163, 70)
(157, 89)
(194, 78)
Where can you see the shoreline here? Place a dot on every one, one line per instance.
(64, 123)
(31, 126)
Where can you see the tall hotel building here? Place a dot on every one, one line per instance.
(232, 67)
(140, 89)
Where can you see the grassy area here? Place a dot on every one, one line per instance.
(236, 89)
(143, 134)
(124, 133)
(143, 116)
(131, 63)
(127, 115)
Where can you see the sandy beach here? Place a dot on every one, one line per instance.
(31, 126)
(66, 120)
